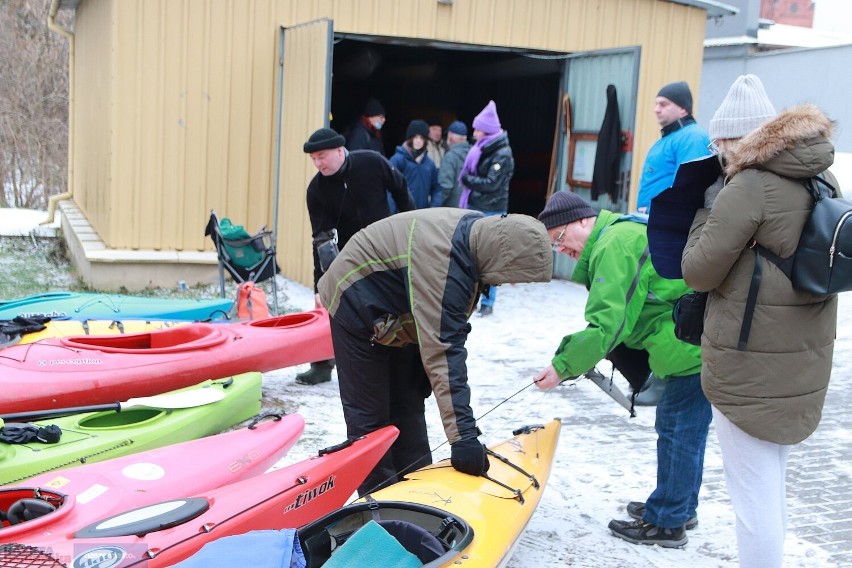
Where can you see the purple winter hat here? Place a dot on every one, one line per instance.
(487, 121)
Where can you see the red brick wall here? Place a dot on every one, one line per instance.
(790, 12)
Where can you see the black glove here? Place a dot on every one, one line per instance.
(468, 456)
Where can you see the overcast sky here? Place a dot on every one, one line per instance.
(833, 15)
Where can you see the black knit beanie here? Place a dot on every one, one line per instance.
(323, 139)
(679, 94)
(416, 127)
(565, 207)
(373, 108)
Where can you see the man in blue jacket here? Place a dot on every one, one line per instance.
(682, 140)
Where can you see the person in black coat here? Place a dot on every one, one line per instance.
(348, 193)
(366, 133)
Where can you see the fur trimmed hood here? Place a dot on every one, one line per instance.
(795, 143)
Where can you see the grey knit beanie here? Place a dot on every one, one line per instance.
(679, 94)
(745, 107)
(565, 207)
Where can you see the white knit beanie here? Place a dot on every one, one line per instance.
(745, 107)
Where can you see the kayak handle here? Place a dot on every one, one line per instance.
(338, 447)
(529, 429)
(274, 416)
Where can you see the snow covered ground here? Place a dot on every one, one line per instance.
(604, 459)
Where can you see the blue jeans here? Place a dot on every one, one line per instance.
(683, 418)
(492, 296)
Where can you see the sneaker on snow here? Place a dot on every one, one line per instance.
(651, 391)
(640, 532)
(636, 510)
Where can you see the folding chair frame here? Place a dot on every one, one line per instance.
(262, 241)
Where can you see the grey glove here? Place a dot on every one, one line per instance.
(712, 192)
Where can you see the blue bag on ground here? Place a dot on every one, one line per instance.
(258, 549)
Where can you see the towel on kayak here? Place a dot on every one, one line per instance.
(372, 546)
(258, 549)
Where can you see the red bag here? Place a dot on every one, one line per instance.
(251, 302)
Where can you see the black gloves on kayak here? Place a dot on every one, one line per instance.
(468, 456)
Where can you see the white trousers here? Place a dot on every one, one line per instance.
(755, 473)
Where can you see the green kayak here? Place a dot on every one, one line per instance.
(99, 436)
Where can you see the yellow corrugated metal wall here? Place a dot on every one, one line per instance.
(93, 108)
(176, 98)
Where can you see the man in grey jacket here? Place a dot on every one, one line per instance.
(452, 162)
(399, 296)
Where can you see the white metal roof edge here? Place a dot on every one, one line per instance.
(714, 9)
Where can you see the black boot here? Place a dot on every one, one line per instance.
(320, 372)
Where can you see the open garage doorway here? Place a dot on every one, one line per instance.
(455, 82)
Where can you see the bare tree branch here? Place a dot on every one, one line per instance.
(33, 106)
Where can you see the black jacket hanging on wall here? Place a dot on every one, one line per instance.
(608, 154)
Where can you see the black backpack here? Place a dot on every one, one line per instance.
(822, 263)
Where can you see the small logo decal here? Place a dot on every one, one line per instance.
(101, 557)
(309, 495)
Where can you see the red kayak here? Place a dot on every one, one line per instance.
(84, 370)
(172, 529)
(54, 505)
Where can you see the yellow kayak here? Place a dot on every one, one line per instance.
(66, 328)
(440, 516)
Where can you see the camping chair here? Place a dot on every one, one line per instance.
(244, 256)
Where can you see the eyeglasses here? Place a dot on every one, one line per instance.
(555, 244)
(713, 148)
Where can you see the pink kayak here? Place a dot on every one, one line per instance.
(83, 370)
(172, 529)
(55, 505)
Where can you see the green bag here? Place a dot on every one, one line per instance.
(244, 254)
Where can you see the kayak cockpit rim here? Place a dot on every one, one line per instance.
(433, 535)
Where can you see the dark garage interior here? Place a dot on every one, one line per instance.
(454, 82)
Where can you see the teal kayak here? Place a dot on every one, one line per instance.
(86, 306)
(98, 436)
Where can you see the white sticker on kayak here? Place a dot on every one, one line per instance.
(92, 493)
(144, 471)
(101, 557)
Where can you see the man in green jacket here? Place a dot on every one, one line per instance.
(630, 304)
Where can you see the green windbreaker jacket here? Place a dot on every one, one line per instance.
(628, 303)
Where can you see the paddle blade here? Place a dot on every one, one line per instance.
(168, 401)
(609, 388)
(181, 399)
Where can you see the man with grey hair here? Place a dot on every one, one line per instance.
(451, 165)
